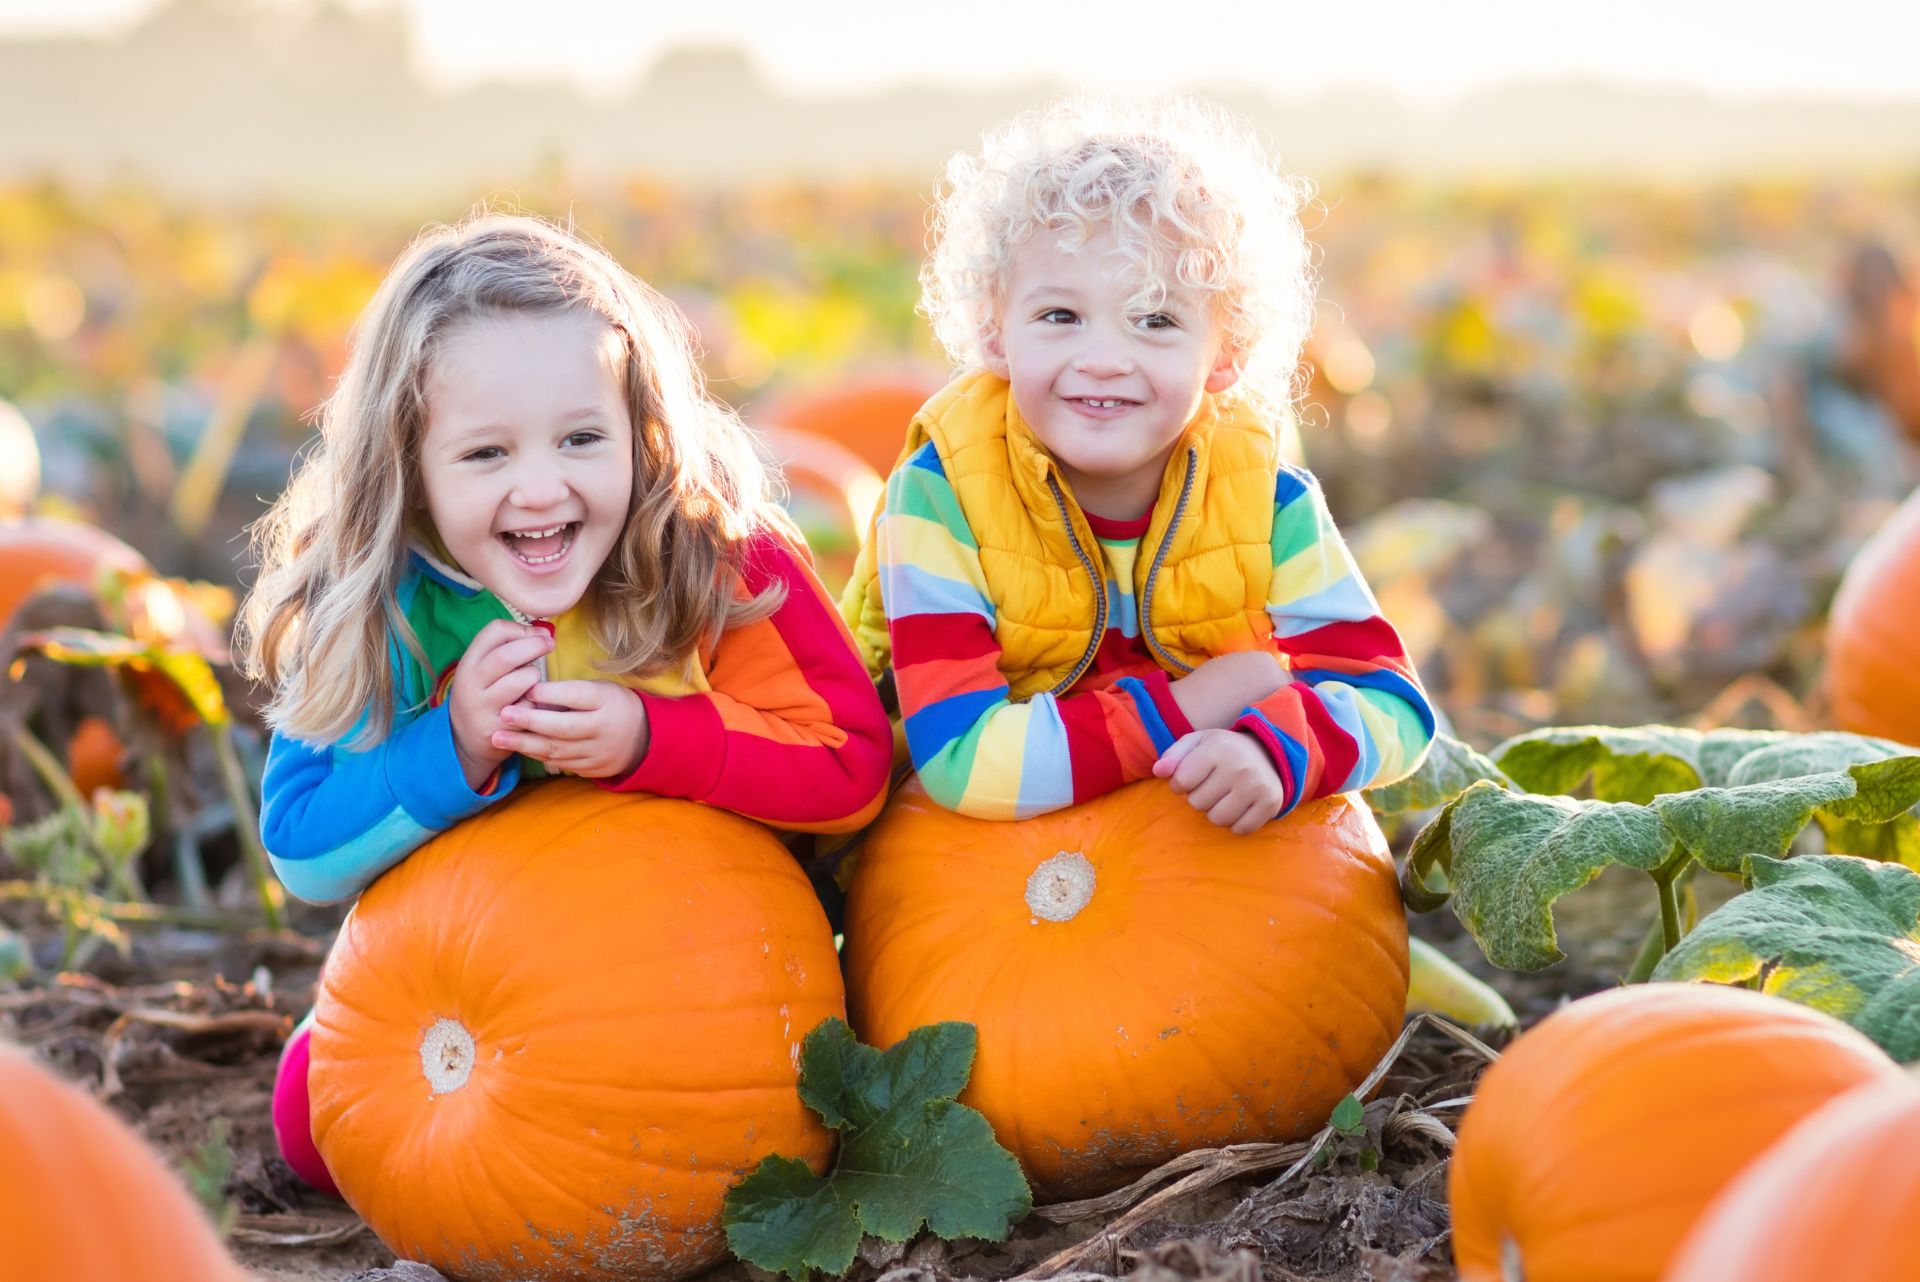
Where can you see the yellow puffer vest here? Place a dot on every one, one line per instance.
(1201, 579)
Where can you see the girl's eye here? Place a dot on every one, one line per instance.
(1057, 316)
(585, 437)
(485, 454)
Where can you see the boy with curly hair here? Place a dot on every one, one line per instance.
(1093, 564)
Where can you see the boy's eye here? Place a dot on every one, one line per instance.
(1057, 316)
(1157, 320)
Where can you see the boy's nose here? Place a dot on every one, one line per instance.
(1103, 360)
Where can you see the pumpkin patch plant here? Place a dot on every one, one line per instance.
(1603, 1133)
(83, 1199)
(1837, 1199)
(549, 1040)
(1508, 842)
(1143, 983)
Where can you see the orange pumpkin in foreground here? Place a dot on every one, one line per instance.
(83, 1199)
(549, 1040)
(1837, 1200)
(40, 552)
(1871, 676)
(1603, 1133)
(1143, 982)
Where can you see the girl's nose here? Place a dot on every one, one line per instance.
(537, 485)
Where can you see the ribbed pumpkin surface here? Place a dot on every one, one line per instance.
(1214, 989)
(38, 553)
(1837, 1200)
(1872, 631)
(868, 415)
(548, 1041)
(1602, 1134)
(83, 1199)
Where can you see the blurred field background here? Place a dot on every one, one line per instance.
(1603, 433)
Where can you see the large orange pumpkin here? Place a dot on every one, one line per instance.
(1871, 675)
(1604, 1132)
(40, 552)
(1143, 982)
(549, 1040)
(1836, 1200)
(866, 413)
(82, 1199)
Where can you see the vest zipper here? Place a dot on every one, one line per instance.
(1098, 575)
(1166, 545)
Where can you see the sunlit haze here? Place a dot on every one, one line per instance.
(1422, 51)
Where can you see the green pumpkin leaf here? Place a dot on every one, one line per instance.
(1635, 764)
(1722, 826)
(909, 1155)
(1348, 1117)
(1449, 769)
(1514, 854)
(1836, 933)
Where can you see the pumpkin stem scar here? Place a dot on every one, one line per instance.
(1511, 1267)
(446, 1056)
(1060, 887)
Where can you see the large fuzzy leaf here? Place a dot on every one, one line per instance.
(909, 1155)
(1449, 769)
(1515, 853)
(1835, 933)
(1634, 764)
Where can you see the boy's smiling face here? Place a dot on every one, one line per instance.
(1106, 387)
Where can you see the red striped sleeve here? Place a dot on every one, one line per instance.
(791, 732)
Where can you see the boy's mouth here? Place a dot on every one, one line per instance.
(542, 546)
(1101, 405)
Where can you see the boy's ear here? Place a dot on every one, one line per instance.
(1226, 369)
(993, 352)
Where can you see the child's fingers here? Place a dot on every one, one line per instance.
(581, 696)
(1207, 793)
(527, 745)
(1170, 759)
(554, 724)
(1253, 820)
(1229, 810)
(512, 688)
(510, 656)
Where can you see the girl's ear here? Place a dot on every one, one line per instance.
(993, 351)
(1226, 369)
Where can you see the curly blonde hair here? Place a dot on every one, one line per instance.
(1193, 202)
(322, 617)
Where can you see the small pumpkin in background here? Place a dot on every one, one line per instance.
(1602, 1134)
(1836, 1200)
(868, 413)
(549, 1040)
(1872, 679)
(1142, 982)
(94, 756)
(83, 1199)
(40, 552)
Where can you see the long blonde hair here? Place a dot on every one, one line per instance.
(323, 618)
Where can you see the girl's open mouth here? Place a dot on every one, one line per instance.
(541, 547)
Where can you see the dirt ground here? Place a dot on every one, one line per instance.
(176, 1055)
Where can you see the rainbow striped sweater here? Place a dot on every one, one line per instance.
(1353, 716)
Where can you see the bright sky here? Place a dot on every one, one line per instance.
(1419, 48)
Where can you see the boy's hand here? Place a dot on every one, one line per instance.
(1228, 775)
(593, 728)
(1214, 694)
(496, 671)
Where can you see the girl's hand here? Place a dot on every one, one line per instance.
(1228, 775)
(496, 671)
(593, 728)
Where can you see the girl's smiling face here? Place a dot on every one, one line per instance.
(1106, 386)
(527, 456)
